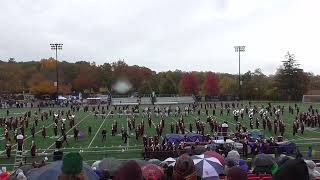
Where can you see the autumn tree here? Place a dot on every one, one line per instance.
(48, 63)
(167, 86)
(211, 85)
(38, 84)
(11, 78)
(145, 88)
(83, 81)
(38, 77)
(189, 84)
(314, 81)
(227, 84)
(291, 80)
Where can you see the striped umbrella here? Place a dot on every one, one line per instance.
(215, 155)
(208, 167)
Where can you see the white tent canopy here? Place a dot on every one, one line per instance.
(61, 98)
(221, 141)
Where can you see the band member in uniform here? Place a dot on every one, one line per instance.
(251, 123)
(8, 148)
(33, 149)
(172, 128)
(65, 138)
(55, 129)
(125, 136)
(32, 131)
(257, 123)
(20, 141)
(137, 133)
(43, 132)
(89, 130)
(302, 127)
(75, 133)
(235, 115)
(104, 135)
(294, 127)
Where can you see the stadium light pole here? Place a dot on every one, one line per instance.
(56, 47)
(239, 49)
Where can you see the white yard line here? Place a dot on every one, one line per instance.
(69, 130)
(99, 129)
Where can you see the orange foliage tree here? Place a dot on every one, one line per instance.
(189, 84)
(38, 84)
(211, 86)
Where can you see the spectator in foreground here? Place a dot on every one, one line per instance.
(105, 175)
(293, 169)
(72, 167)
(130, 170)
(235, 173)
(169, 172)
(184, 169)
(229, 163)
(234, 155)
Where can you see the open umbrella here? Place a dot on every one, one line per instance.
(52, 171)
(95, 164)
(152, 172)
(215, 155)
(110, 164)
(25, 169)
(207, 167)
(169, 160)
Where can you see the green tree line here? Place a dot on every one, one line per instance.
(289, 82)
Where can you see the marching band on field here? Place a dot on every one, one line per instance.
(270, 117)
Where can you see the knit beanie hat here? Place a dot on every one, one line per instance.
(72, 163)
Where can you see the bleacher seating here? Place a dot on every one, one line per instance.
(125, 101)
(147, 100)
(259, 177)
(175, 100)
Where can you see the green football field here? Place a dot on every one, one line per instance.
(92, 147)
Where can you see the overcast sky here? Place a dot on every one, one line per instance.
(164, 34)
